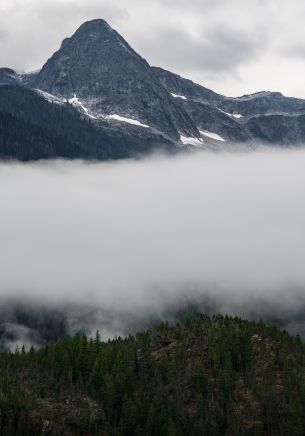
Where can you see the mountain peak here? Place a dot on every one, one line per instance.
(109, 78)
(94, 25)
(96, 30)
(93, 30)
(94, 51)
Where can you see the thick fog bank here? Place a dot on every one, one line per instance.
(138, 239)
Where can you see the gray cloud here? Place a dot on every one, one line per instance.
(295, 51)
(139, 238)
(220, 51)
(3, 35)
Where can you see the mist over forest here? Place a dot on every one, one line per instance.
(121, 245)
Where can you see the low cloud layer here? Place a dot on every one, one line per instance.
(140, 238)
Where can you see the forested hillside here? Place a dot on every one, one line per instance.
(27, 141)
(208, 376)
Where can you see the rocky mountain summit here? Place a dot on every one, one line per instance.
(113, 94)
(98, 68)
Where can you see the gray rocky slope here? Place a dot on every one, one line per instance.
(98, 74)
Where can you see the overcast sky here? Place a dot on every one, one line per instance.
(232, 46)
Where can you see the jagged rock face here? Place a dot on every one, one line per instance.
(201, 104)
(265, 116)
(180, 86)
(208, 117)
(90, 63)
(259, 103)
(99, 66)
(278, 129)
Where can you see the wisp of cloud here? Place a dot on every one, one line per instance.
(134, 239)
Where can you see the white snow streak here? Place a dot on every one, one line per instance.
(126, 120)
(212, 135)
(230, 115)
(191, 141)
(178, 96)
(75, 101)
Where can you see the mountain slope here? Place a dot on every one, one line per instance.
(208, 376)
(278, 128)
(33, 128)
(202, 106)
(246, 118)
(264, 103)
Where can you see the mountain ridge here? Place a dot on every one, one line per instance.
(98, 74)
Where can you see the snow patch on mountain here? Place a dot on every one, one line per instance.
(230, 115)
(212, 135)
(76, 102)
(126, 120)
(188, 140)
(178, 96)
